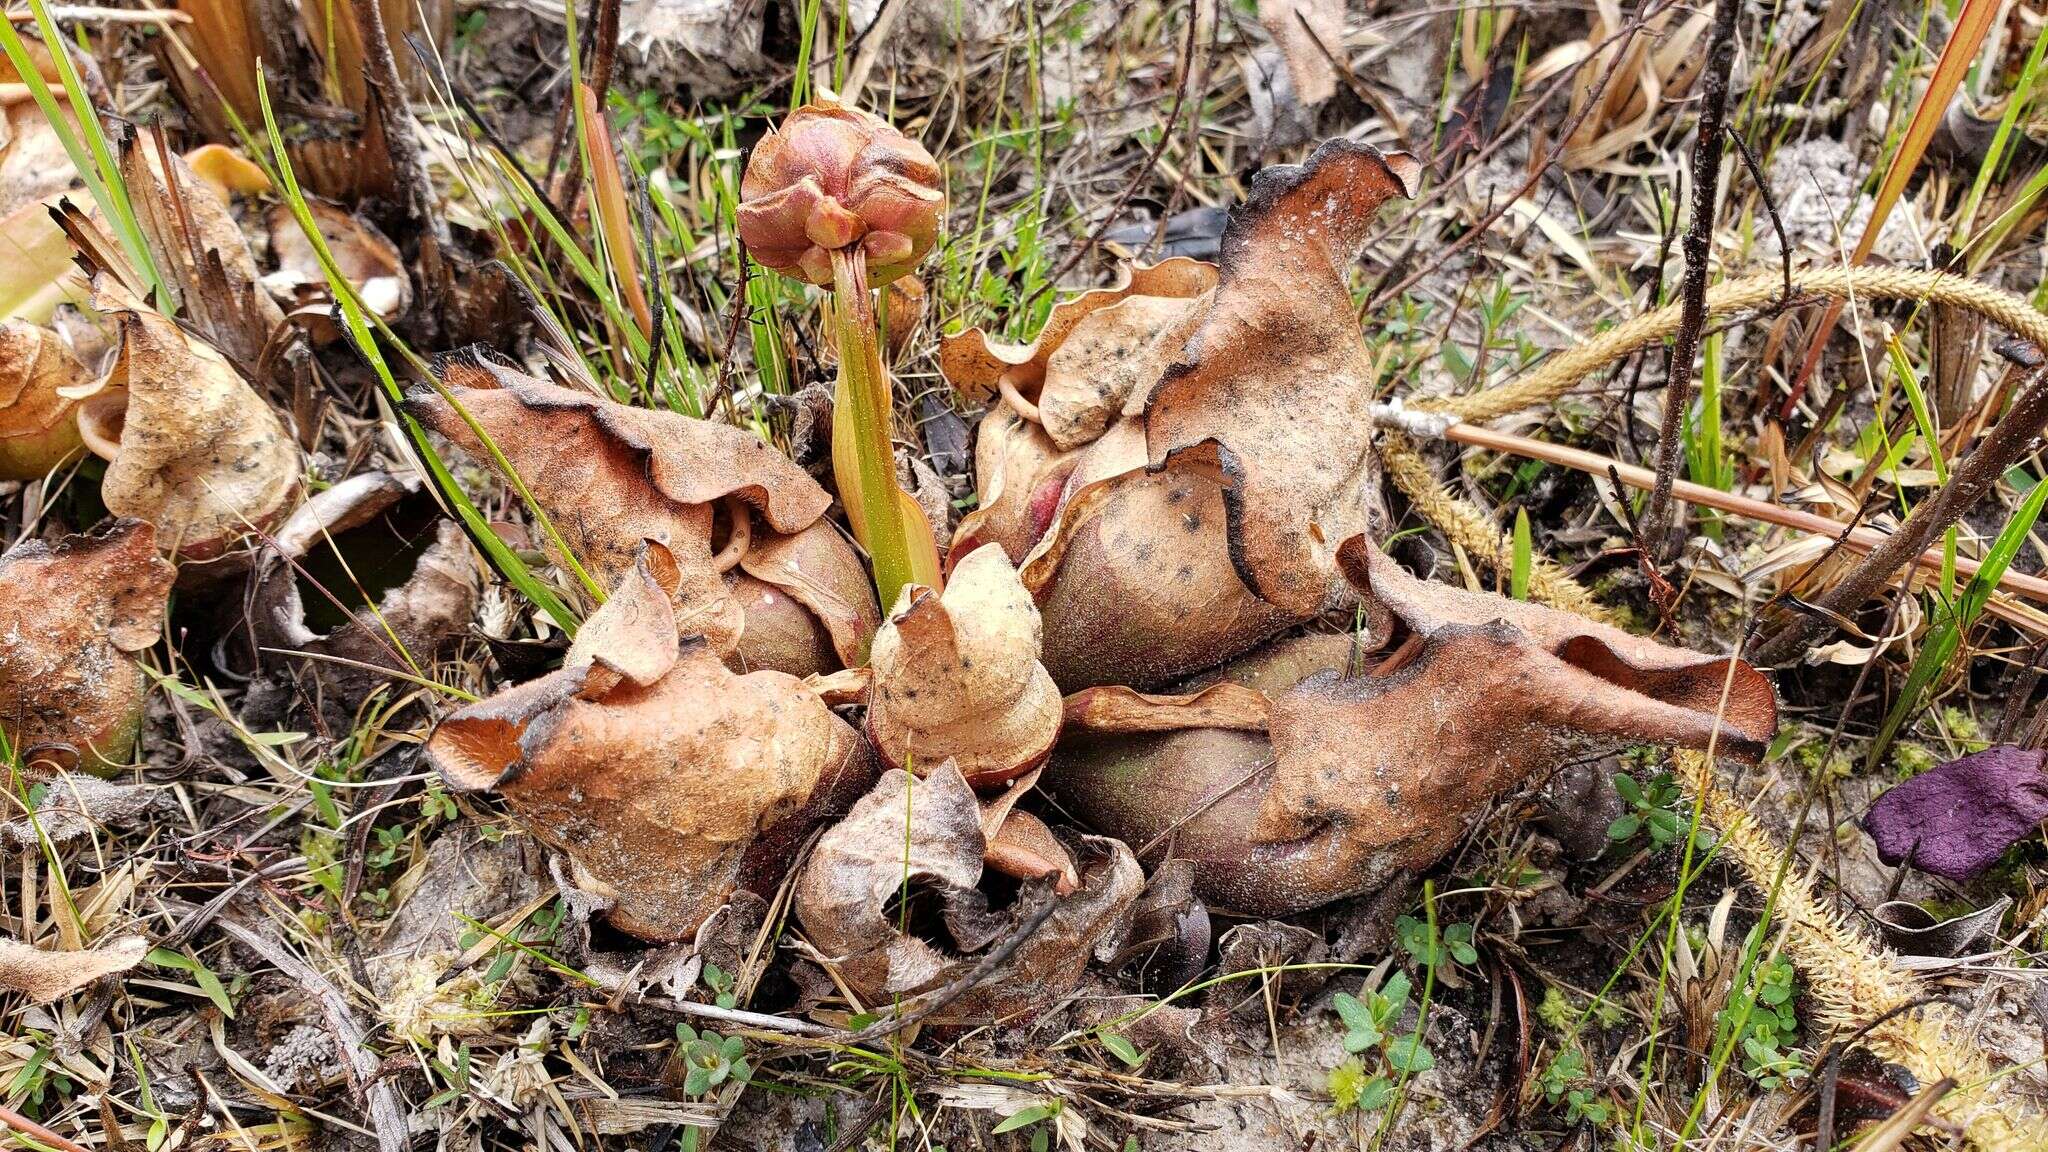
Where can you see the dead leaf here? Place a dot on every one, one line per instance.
(926, 835)
(1920, 936)
(365, 258)
(45, 976)
(957, 677)
(1066, 389)
(1271, 392)
(190, 445)
(1223, 443)
(667, 780)
(904, 304)
(1018, 844)
(36, 272)
(1361, 778)
(73, 617)
(77, 805)
(34, 170)
(609, 475)
(1019, 476)
(200, 250)
(906, 833)
(1630, 77)
(1170, 931)
(1119, 709)
(1309, 34)
(227, 170)
(312, 63)
(37, 429)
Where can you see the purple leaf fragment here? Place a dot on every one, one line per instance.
(1958, 819)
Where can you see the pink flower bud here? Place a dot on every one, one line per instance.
(830, 178)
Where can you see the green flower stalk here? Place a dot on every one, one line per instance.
(839, 198)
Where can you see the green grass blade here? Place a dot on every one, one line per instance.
(1994, 157)
(1524, 557)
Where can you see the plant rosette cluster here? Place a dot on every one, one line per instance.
(1174, 476)
(1182, 467)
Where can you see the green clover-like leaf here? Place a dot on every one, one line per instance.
(1408, 1054)
(1374, 1095)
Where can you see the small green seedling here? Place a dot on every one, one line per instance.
(1040, 1118)
(721, 984)
(1362, 1080)
(709, 1060)
(1454, 945)
(1652, 808)
(1566, 1084)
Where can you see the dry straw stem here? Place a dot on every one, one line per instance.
(1852, 981)
(1857, 538)
(1554, 376)
(1468, 526)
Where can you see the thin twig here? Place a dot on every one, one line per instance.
(394, 113)
(353, 1044)
(787, 1025)
(738, 309)
(1518, 129)
(1856, 538)
(1040, 911)
(9, 1118)
(597, 46)
(1763, 191)
(657, 284)
(1667, 231)
(432, 63)
(1698, 246)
